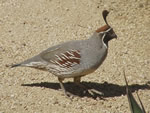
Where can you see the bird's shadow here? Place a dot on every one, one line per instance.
(107, 89)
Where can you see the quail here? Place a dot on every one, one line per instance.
(74, 59)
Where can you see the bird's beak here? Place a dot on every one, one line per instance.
(114, 35)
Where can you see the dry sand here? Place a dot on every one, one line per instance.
(29, 26)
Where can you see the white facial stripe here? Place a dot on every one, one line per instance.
(103, 40)
(103, 32)
(108, 30)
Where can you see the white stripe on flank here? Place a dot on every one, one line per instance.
(64, 58)
(69, 53)
(73, 50)
(57, 63)
(52, 61)
(72, 57)
(77, 52)
(59, 58)
(64, 55)
(74, 63)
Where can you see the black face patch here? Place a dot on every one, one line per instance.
(109, 35)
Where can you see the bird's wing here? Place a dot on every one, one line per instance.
(62, 56)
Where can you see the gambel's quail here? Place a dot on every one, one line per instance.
(74, 59)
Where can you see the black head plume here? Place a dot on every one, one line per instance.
(106, 29)
(105, 14)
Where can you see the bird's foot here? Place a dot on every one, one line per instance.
(67, 94)
(90, 90)
(93, 91)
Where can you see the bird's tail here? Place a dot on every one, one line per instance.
(15, 65)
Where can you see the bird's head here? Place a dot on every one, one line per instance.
(106, 31)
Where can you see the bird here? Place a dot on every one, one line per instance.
(76, 58)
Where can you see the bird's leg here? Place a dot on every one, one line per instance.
(77, 81)
(63, 88)
(61, 84)
(87, 88)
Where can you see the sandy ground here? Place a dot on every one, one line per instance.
(29, 26)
